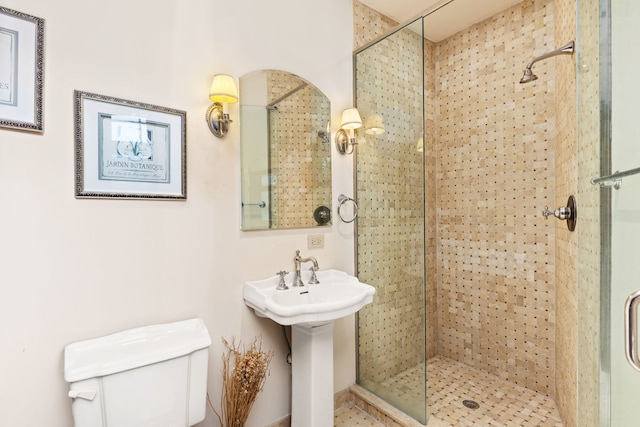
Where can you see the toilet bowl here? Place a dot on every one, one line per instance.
(153, 376)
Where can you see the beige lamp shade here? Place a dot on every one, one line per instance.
(373, 125)
(223, 89)
(351, 119)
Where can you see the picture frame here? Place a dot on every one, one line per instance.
(21, 70)
(129, 150)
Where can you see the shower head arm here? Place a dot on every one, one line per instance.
(567, 49)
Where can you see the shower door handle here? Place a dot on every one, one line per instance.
(631, 330)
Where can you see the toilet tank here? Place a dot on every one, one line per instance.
(153, 376)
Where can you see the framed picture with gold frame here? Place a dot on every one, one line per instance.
(21, 70)
(129, 150)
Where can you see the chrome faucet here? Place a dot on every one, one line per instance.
(297, 261)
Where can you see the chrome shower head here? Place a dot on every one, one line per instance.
(528, 76)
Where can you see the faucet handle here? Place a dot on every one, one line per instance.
(282, 286)
(313, 280)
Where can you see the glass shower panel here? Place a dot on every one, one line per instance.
(390, 190)
(625, 205)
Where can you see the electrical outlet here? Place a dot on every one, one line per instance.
(315, 241)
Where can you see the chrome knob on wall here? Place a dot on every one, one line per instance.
(568, 213)
(560, 213)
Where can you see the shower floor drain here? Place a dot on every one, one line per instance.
(470, 404)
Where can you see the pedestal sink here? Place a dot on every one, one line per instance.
(310, 310)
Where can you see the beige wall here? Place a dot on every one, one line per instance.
(75, 269)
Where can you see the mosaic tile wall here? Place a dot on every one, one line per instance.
(320, 149)
(497, 279)
(430, 198)
(368, 24)
(390, 197)
(496, 293)
(588, 233)
(391, 208)
(294, 131)
(566, 241)
(496, 140)
(411, 336)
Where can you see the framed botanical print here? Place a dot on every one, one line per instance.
(127, 149)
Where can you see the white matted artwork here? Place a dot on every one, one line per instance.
(21, 70)
(127, 149)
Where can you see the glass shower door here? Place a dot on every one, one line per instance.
(390, 177)
(625, 204)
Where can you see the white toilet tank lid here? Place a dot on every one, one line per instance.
(133, 348)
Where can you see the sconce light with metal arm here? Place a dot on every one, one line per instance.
(223, 92)
(350, 121)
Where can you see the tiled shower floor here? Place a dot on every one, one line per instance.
(501, 403)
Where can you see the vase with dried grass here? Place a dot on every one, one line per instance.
(244, 372)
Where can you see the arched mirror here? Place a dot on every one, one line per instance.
(285, 152)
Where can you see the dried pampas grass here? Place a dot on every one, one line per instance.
(243, 377)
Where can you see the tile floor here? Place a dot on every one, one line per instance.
(501, 403)
(350, 415)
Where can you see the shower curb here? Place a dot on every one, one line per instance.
(383, 411)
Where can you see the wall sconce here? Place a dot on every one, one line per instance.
(223, 92)
(350, 121)
(373, 125)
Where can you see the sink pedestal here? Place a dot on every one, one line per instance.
(310, 310)
(312, 372)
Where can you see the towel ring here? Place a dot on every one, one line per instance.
(342, 199)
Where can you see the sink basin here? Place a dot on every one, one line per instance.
(337, 295)
(310, 310)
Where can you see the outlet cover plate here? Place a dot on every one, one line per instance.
(315, 241)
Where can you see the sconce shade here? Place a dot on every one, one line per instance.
(351, 119)
(373, 125)
(223, 89)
